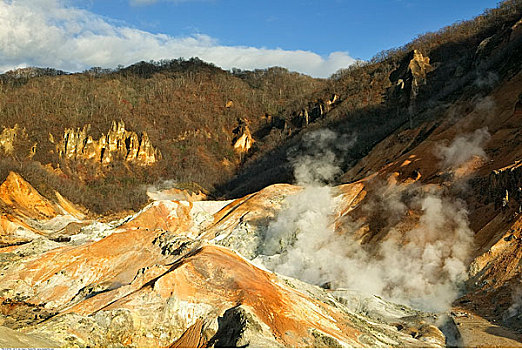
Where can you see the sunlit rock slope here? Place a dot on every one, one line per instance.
(168, 275)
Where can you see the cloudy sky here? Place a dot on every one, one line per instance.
(315, 37)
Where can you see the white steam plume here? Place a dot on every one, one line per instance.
(488, 79)
(425, 266)
(486, 105)
(422, 267)
(158, 193)
(463, 148)
(318, 165)
(515, 308)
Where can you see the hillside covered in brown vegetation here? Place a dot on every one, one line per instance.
(186, 111)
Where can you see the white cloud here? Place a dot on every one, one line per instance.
(48, 33)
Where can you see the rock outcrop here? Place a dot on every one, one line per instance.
(18, 195)
(505, 185)
(408, 78)
(516, 31)
(14, 140)
(243, 139)
(315, 110)
(419, 67)
(117, 145)
(7, 138)
(509, 36)
(26, 215)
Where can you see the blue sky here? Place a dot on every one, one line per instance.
(312, 37)
(362, 28)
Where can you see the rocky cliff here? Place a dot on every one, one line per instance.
(117, 145)
(243, 139)
(408, 78)
(15, 138)
(505, 185)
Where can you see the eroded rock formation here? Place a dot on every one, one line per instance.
(315, 110)
(505, 184)
(117, 145)
(15, 139)
(419, 67)
(24, 211)
(243, 139)
(408, 79)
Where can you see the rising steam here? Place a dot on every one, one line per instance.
(318, 163)
(158, 192)
(516, 307)
(463, 148)
(421, 266)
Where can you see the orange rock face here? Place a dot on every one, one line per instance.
(155, 272)
(19, 195)
(117, 144)
(26, 214)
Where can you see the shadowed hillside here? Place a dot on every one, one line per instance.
(398, 88)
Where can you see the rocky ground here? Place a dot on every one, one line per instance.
(168, 276)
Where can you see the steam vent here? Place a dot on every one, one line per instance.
(322, 202)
